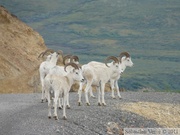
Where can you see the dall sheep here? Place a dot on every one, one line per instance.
(58, 86)
(47, 65)
(60, 71)
(125, 61)
(98, 75)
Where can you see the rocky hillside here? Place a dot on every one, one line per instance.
(20, 46)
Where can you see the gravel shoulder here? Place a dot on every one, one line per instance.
(24, 114)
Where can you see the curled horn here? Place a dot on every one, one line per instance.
(66, 57)
(43, 53)
(76, 58)
(71, 64)
(111, 58)
(40, 55)
(123, 54)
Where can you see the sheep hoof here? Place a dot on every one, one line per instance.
(79, 103)
(64, 118)
(120, 97)
(52, 107)
(99, 104)
(60, 107)
(55, 117)
(49, 117)
(88, 104)
(68, 107)
(104, 104)
(46, 100)
(41, 100)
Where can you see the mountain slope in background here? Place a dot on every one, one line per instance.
(93, 30)
(20, 46)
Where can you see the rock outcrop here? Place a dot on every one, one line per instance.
(20, 46)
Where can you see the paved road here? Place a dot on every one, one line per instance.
(24, 114)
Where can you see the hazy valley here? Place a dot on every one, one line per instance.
(148, 29)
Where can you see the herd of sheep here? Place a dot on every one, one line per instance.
(57, 80)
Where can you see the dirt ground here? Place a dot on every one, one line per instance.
(165, 114)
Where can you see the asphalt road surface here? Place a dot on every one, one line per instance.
(24, 114)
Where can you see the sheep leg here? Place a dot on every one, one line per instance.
(64, 108)
(99, 95)
(117, 88)
(42, 76)
(49, 106)
(86, 92)
(112, 88)
(56, 96)
(43, 91)
(102, 90)
(79, 93)
(91, 93)
(60, 105)
(68, 106)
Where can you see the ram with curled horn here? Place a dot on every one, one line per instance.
(64, 70)
(98, 74)
(125, 62)
(60, 85)
(45, 67)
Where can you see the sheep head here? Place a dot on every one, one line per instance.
(73, 59)
(71, 64)
(122, 54)
(127, 60)
(60, 52)
(45, 52)
(66, 57)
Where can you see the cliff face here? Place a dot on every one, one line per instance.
(20, 46)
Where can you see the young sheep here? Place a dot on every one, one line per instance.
(98, 75)
(47, 65)
(58, 86)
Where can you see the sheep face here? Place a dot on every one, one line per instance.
(127, 61)
(48, 58)
(55, 55)
(77, 75)
(116, 68)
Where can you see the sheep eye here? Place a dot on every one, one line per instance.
(76, 73)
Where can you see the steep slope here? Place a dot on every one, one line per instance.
(20, 46)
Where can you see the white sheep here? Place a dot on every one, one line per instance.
(125, 61)
(58, 86)
(47, 65)
(60, 71)
(98, 75)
